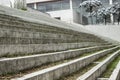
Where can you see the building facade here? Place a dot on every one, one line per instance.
(65, 10)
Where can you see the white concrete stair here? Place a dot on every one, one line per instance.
(56, 72)
(26, 62)
(25, 33)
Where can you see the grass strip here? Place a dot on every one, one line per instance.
(107, 55)
(110, 68)
(80, 72)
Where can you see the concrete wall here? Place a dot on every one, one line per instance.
(110, 31)
(65, 15)
(77, 18)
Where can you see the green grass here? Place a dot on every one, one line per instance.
(111, 67)
(105, 56)
(75, 75)
(78, 73)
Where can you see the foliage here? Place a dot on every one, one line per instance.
(114, 9)
(107, 11)
(91, 3)
(103, 11)
(20, 4)
(25, 9)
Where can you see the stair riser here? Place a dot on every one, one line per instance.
(18, 49)
(21, 36)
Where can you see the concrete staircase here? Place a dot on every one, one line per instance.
(37, 51)
(26, 37)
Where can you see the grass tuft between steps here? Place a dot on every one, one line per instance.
(83, 70)
(107, 73)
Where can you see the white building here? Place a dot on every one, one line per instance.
(65, 10)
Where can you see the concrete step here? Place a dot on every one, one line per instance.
(22, 25)
(83, 70)
(21, 35)
(49, 40)
(65, 68)
(4, 16)
(51, 37)
(29, 27)
(96, 71)
(24, 36)
(110, 68)
(18, 63)
(46, 30)
(7, 19)
(39, 35)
